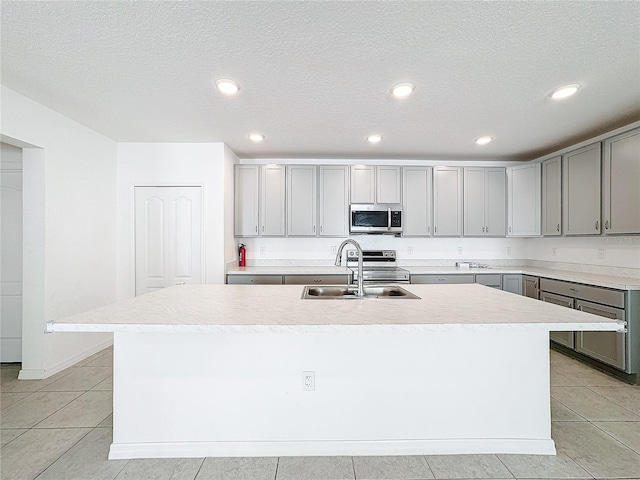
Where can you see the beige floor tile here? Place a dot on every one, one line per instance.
(88, 410)
(33, 409)
(15, 385)
(105, 360)
(580, 374)
(93, 357)
(543, 466)
(590, 405)
(81, 379)
(161, 469)
(86, 460)
(108, 422)
(560, 413)
(238, 468)
(625, 396)
(9, 434)
(392, 468)
(625, 432)
(106, 384)
(9, 398)
(35, 450)
(467, 466)
(595, 451)
(315, 468)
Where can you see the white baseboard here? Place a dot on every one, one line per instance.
(39, 373)
(120, 451)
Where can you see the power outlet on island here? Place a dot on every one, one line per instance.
(308, 381)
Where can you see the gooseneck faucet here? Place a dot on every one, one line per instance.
(339, 261)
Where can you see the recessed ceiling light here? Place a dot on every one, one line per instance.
(374, 138)
(227, 87)
(483, 140)
(564, 91)
(402, 90)
(256, 137)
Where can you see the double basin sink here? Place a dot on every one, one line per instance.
(343, 292)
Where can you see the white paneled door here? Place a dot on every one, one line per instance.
(168, 237)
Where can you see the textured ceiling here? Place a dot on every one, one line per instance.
(315, 75)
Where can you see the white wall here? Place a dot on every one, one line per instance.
(209, 165)
(69, 228)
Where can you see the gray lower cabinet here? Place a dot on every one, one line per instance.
(493, 280)
(530, 286)
(316, 279)
(254, 279)
(442, 279)
(607, 347)
(512, 282)
(563, 338)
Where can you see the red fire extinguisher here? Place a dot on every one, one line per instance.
(243, 255)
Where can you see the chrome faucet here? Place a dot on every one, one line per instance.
(339, 261)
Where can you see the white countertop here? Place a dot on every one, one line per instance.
(280, 308)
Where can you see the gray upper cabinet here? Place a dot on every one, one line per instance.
(363, 184)
(388, 184)
(301, 200)
(581, 191)
(621, 184)
(416, 201)
(334, 201)
(447, 201)
(523, 200)
(484, 201)
(272, 204)
(552, 197)
(247, 199)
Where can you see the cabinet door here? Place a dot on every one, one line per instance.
(442, 279)
(512, 283)
(246, 200)
(621, 183)
(551, 196)
(490, 280)
(495, 202)
(416, 204)
(363, 181)
(474, 224)
(530, 286)
(447, 201)
(301, 200)
(523, 203)
(563, 338)
(608, 347)
(581, 191)
(254, 279)
(272, 202)
(334, 201)
(388, 184)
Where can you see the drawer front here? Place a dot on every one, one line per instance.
(563, 338)
(608, 347)
(442, 279)
(490, 279)
(316, 279)
(614, 298)
(557, 299)
(254, 279)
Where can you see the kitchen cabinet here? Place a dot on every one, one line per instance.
(442, 279)
(530, 286)
(493, 280)
(563, 338)
(316, 279)
(272, 200)
(608, 347)
(447, 201)
(523, 200)
(621, 184)
(254, 279)
(552, 197)
(301, 200)
(581, 191)
(484, 202)
(512, 282)
(416, 201)
(334, 201)
(247, 199)
(376, 184)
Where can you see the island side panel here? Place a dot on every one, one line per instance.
(376, 393)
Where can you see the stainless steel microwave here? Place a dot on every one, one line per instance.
(376, 218)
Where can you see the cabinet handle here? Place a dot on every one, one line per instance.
(262, 228)
(435, 229)
(256, 228)
(597, 224)
(429, 229)
(535, 285)
(509, 228)
(574, 290)
(314, 229)
(321, 229)
(606, 224)
(316, 280)
(558, 227)
(441, 279)
(486, 229)
(579, 307)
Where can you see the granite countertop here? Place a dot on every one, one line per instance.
(280, 308)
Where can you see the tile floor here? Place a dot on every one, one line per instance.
(60, 429)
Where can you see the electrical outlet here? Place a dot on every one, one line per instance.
(263, 250)
(601, 253)
(459, 250)
(409, 250)
(334, 249)
(508, 250)
(308, 381)
(553, 251)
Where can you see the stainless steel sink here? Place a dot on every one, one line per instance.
(343, 292)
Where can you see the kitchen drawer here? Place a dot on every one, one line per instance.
(254, 279)
(490, 279)
(605, 296)
(316, 279)
(608, 347)
(442, 279)
(563, 338)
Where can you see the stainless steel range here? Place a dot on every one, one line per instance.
(378, 266)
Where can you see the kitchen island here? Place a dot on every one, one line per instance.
(217, 370)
